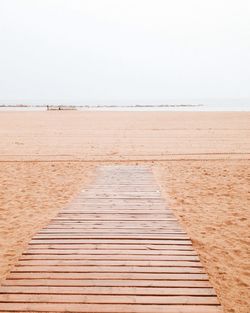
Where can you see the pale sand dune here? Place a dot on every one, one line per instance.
(211, 198)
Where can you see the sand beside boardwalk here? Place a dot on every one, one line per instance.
(212, 202)
(211, 198)
(30, 195)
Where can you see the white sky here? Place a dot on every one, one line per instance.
(99, 51)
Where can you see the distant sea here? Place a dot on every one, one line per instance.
(174, 105)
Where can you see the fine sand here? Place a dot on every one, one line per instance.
(201, 161)
(106, 136)
(31, 194)
(212, 201)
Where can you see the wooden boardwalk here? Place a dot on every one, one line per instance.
(115, 249)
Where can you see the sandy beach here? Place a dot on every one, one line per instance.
(117, 136)
(200, 160)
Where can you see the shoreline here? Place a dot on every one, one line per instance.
(127, 108)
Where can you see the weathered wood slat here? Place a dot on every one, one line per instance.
(111, 252)
(77, 229)
(117, 206)
(116, 248)
(167, 291)
(114, 217)
(109, 276)
(110, 211)
(110, 263)
(85, 235)
(62, 239)
(129, 299)
(105, 269)
(106, 308)
(116, 224)
(110, 257)
(117, 241)
(108, 283)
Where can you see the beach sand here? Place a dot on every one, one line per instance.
(201, 161)
(106, 136)
(31, 194)
(212, 201)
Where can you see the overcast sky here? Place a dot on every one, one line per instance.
(137, 50)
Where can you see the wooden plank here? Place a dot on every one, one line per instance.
(121, 189)
(106, 308)
(110, 252)
(118, 206)
(133, 221)
(127, 299)
(82, 229)
(119, 222)
(116, 224)
(111, 192)
(140, 241)
(115, 217)
(105, 269)
(110, 257)
(81, 235)
(109, 291)
(119, 196)
(110, 276)
(124, 212)
(120, 247)
(58, 239)
(169, 226)
(173, 284)
(110, 246)
(134, 214)
(120, 202)
(112, 211)
(110, 263)
(75, 229)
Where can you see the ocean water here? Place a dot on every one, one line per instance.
(178, 106)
